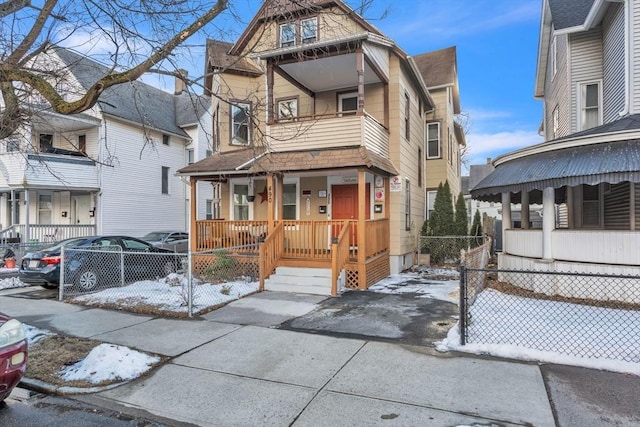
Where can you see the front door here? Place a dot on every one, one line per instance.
(80, 207)
(344, 205)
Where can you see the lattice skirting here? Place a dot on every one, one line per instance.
(377, 269)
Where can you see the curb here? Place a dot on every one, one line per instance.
(43, 387)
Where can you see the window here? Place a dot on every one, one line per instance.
(209, 153)
(12, 144)
(590, 206)
(46, 142)
(165, 180)
(190, 156)
(240, 202)
(450, 150)
(431, 199)
(82, 143)
(348, 101)
(433, 141)
(212, 206)
(287, 34)
(407, 205)
(216, 130)
(289, 201)
(44, 208)
(407, 116)
(589, 105)
(555, 119)
(309, 30)
(240, 114)
(165, 139)
(287, 109)
(420, 163)
(209, 209)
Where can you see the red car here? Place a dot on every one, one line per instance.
(13, 354)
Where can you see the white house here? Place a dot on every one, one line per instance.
(108, 170)
(588, 168)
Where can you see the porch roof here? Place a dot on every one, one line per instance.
(611, 162)
(258, 161)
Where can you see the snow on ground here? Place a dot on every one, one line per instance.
(170, 294)
(419, 282)
(10, 282)
(550, 331)
(108, 362)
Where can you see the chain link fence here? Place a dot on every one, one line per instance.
(163, 283)
(18, 250)
(532, 309)
(446, 249)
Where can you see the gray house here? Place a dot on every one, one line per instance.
(588, 168)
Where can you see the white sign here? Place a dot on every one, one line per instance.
(395, 184)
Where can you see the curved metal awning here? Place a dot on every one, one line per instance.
(611, 162)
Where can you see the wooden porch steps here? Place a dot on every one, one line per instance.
(305, 280)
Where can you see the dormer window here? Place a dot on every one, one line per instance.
(309, 30)
(299, 32)
(288, 34)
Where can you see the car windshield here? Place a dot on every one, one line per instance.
(155, 237)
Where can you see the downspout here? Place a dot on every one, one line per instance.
(627, 59)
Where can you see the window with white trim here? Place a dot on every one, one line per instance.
(190, 156)
(290, 201)
(407, 116)
(433, 141)
(431, 200)
(287, 109)
(287, 34)
(309, 30)
(12, 144)
(240, 202)
(45, 206)
(590, 206)
(240, 118)
(554, 57)
(348, 101)
(590, 101)
(165, 180)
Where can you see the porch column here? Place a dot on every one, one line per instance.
(27, 228)
(270, 205)
(14, 208)
(548, 221)
(193, 212)
(506, 217)
(524, 210)
(362, 230)
(360, 70)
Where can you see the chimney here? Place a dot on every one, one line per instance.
(180, 83)
(488, 160)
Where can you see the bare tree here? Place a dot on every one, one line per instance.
(138, 35)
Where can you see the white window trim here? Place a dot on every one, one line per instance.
(554, 56)
(239, 104)
(295, 34)
(296, 181)
(294, 110)
(439, 156)
(555, 122)
(315, 37)
(41, 209)
(232, 184)
(580, 87)
(342, 96)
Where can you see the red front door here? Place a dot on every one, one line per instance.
(344, 205)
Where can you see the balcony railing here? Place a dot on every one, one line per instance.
(50, 170)
(330, 131)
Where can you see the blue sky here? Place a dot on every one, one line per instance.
(497, 43)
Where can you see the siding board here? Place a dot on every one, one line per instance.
(613, 63)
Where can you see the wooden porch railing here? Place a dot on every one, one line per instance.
(271, 252)
(46, 233)
(377, 237)
(339, 256)
(312, 239)
(216, 234)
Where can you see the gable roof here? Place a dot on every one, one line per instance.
(283, 9)
(218, 56)
(134, 101)
(569, 13)
(190, 108)
(440, 68)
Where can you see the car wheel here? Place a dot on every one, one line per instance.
(48, 285)
(87, 280)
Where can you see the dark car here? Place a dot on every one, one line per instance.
(91, 262)
(13, 354)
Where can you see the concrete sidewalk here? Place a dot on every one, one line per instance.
(225, 370)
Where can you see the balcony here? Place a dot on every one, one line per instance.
(330, 131)
(47, 170)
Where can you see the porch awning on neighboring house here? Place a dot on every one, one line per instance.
(611, 162)
(254, 161)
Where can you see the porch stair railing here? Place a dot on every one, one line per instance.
(339, 256)
(271, 251)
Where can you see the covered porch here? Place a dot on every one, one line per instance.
(311, 213)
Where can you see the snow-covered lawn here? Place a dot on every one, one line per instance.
(551, 331)
(169, 294)
(10, 282)
(422, 282)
